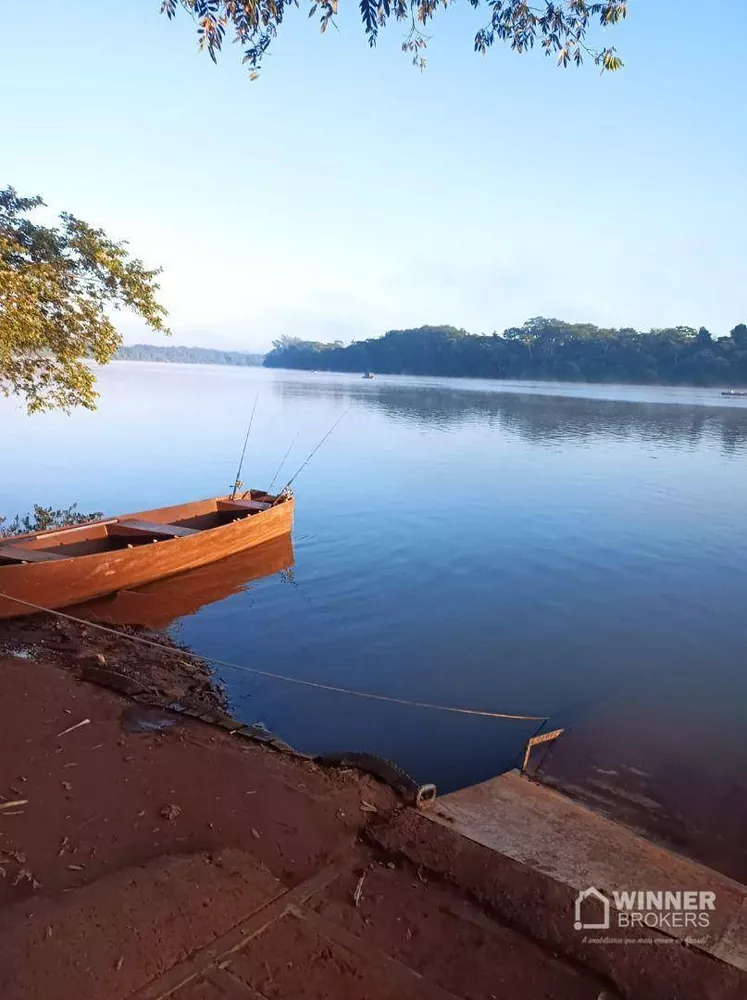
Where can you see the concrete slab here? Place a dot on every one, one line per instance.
(550, 833)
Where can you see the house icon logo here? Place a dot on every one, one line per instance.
(589, 902)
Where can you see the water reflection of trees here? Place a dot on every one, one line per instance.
(538, 418)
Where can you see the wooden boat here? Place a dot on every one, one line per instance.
(54, 569)
(734, 392)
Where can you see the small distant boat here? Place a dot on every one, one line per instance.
(368, 375)
(65, 566)
(734, 392)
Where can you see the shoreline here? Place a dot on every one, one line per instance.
(129, 812)
(613, 764)
(534, 382)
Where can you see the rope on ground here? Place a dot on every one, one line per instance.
(280, 677)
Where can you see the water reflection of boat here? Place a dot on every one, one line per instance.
(157, 604)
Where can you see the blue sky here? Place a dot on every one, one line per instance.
(345, 193)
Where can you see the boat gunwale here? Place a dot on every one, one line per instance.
(30, 536)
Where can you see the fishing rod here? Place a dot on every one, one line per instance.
(311, 454)
(237, 481)
(285, 456)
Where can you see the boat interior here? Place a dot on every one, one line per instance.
(129, 531)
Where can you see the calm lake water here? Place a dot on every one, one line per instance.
(521, 548)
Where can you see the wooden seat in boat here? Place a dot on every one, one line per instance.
(138, 526)
(20, 554)
(243, 505)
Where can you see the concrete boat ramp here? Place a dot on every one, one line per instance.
(545, 831)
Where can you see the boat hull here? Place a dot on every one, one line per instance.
(158, 603)
(80, 576)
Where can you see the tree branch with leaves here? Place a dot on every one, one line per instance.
(57, 285)
(561, 27)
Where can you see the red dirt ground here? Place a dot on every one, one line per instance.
(99, 797)
(203, 858)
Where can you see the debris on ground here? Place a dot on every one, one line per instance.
(358, 891)
(70, 729)
(24, 875)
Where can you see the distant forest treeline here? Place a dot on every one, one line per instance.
(540, 349)
(185, 355)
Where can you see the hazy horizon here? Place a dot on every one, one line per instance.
(365, 196)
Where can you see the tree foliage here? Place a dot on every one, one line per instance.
(56, 287)
(561, 28)
(186, 355)
(541, 348)
(44, 518)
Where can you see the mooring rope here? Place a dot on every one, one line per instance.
(280, 677)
